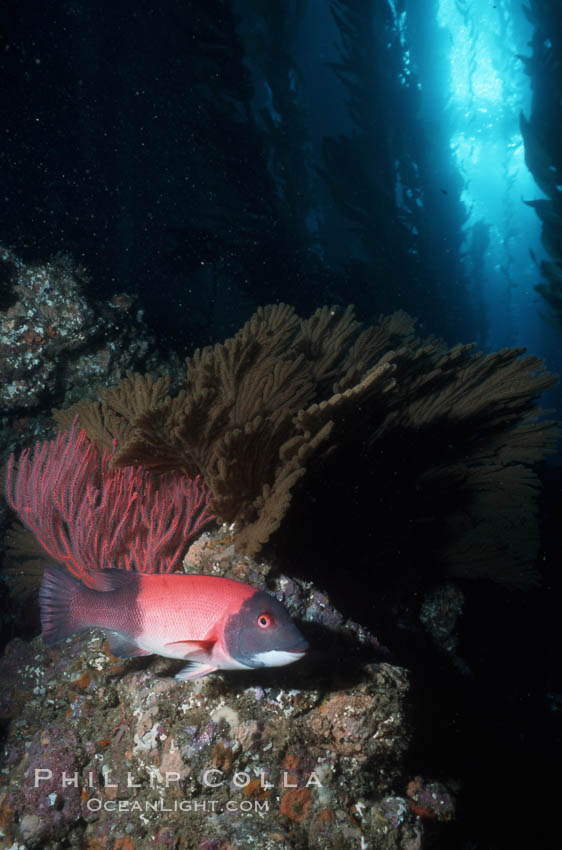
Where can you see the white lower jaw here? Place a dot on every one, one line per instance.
(275, 658)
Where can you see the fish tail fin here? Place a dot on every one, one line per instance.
(59, 590)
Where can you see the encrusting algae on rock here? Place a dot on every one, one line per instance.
(102, 751)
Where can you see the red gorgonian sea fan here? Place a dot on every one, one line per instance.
(88, 516)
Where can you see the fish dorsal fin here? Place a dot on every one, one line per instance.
(107, 580)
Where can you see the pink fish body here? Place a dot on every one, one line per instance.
(213, 623)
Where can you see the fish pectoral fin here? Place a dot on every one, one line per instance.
(123, 646)
(194, 670)
(192, 647)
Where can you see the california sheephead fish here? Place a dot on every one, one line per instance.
(213, 623)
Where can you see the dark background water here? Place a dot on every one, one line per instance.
(201, 155)
(210, 156)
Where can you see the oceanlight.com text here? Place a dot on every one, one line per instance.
(95, 804)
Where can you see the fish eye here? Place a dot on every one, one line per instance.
(265, 621)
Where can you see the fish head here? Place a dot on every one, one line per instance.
(262, 634)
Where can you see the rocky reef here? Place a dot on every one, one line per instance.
(104, 752)
(54, 339)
